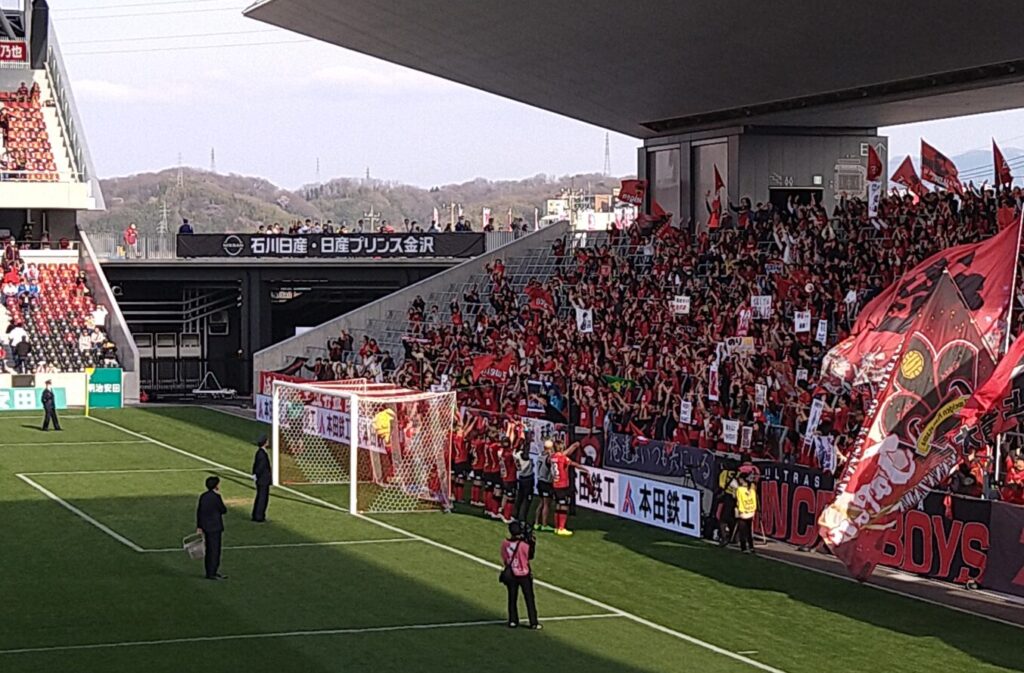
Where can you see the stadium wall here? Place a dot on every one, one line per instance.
(282, 353)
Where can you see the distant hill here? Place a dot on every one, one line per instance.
(217, 203)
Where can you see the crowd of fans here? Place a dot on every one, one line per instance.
(630, 374)
(53, 325)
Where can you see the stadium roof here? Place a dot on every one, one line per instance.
(656, 68)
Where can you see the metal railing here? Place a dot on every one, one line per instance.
(67, 113)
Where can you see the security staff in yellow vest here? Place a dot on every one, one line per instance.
(746, 508)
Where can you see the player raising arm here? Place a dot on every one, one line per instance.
(561, 461)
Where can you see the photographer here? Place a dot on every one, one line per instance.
(516, 553)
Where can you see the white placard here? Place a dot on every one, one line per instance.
(680, 305)
(731, 432)
(746, 437)
(760, 394)
(685, 412)
(814, 418)
(802, 321)
(822, 335)
(585, 320)
(762, 306)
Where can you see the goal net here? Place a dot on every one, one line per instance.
(402, 439)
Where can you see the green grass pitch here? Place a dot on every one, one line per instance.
(92, 578)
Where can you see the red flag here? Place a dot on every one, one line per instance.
(938, 169)
(983, 272)
(901, 452)
(719, 183)
(1000, 399)
(540, 299)
(633, 192)
(492, 368)
(874, 165)
(906, 175)
(1003, 175)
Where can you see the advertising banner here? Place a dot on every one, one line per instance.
(29, 399)
(947, 543)
(337, 246)
(598, 490)
(655, 503)
(105, 388)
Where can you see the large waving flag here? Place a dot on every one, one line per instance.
(900, 454)
(983, 272)
(939, 169)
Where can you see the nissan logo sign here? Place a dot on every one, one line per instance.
(233, 245)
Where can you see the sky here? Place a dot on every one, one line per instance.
(155, 79)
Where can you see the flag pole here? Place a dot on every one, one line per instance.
(1009, 330)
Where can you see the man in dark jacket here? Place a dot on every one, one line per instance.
(49, 408)
(210, 522)
(261, 475)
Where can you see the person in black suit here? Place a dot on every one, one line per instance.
(210, 522)
(261, 475)
(49, 408)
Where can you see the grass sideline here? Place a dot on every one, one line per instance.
(319, 590)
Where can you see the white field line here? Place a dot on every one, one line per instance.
(85, 517)
(63, 444)
(290, 634)
(139, 471)
(476, 559)
(286, 545)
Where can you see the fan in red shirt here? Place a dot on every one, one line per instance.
(561, 461)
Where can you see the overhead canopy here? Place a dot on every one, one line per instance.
(667, 66)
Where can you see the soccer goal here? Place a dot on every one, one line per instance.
(402, 437)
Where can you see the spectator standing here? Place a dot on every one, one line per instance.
(185, 229)
(131, 241)
(746, 509)
(21, 352)
(516, 553)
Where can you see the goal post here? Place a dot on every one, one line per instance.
(388, 446)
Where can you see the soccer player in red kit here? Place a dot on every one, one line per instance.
(492, 475)
(561, 461)
(461, 464)
(478, 444)
(507, 468)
